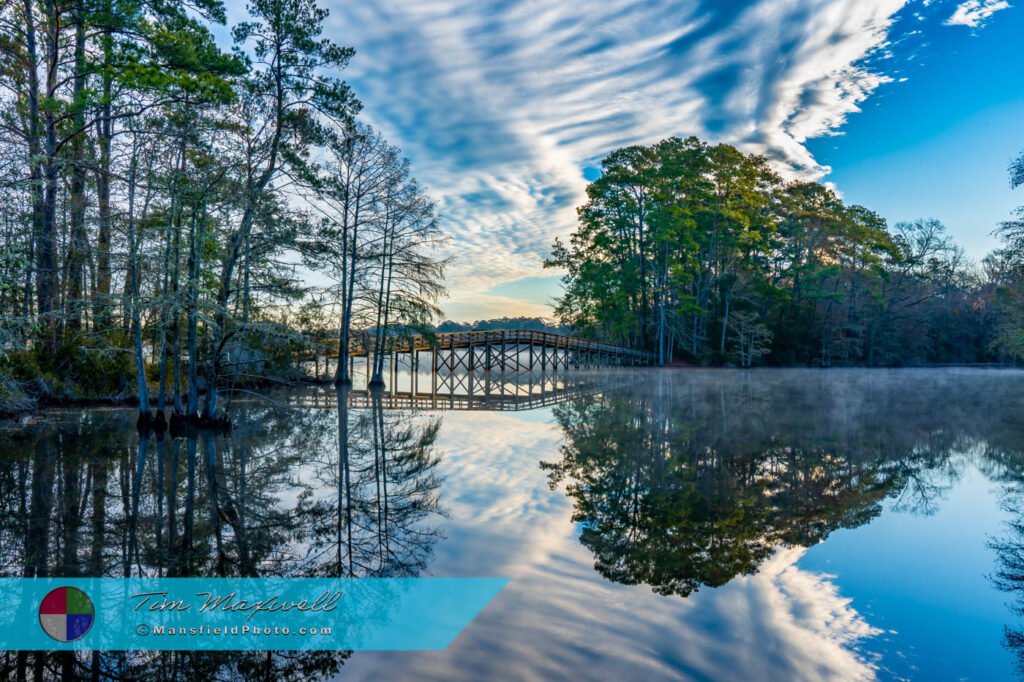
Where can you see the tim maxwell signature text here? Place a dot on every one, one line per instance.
(159, 601)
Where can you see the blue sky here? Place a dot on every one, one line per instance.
(910, 107)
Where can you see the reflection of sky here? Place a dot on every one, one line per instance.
(923, 579)
(559, 619)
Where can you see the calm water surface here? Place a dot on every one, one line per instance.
(655, 524)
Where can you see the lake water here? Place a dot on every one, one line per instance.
(654, 523)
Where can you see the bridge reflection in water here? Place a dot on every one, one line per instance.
(477, 390)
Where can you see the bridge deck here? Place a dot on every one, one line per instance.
(480, 339)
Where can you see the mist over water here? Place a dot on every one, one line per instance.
(655, 524)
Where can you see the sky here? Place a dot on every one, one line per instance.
(505, 108)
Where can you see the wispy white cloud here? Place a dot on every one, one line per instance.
(500, 105)
(974, 13)
(483, 306)
(781, 623)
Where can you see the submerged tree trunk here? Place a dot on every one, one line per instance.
(169, 307)
(341, 376)
(195, 265)
(377, 380)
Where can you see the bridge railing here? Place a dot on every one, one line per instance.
(450, 340)
(358, 345)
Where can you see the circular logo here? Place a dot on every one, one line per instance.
(66, 614)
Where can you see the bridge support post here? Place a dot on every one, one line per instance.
(451, 369)
(433, 371)
(393, 369)
(414, 362)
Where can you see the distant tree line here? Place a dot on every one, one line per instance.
(162, 201)
(702, 253)
(537, 324)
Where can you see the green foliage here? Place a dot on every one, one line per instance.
(1006, 268)
(152, 196)
(295, 62)
(79, 367)
(700, 251)
(85, 367)
(14, 399)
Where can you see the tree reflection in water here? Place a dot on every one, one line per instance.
(698, 477)
(1009, 571)
(296, 493)
(682, 480)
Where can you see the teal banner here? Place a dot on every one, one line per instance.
(134, 614)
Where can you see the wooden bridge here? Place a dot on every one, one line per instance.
(500, 350)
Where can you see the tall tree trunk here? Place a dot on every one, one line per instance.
(102, 302)
(194, 266)
(34, 152)
(170, 302)
(133, 283)
(46, 254)
(341, 377)
(77, 239)
(240, 237)
(378, 345)
(725, 321)
(350, 290)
